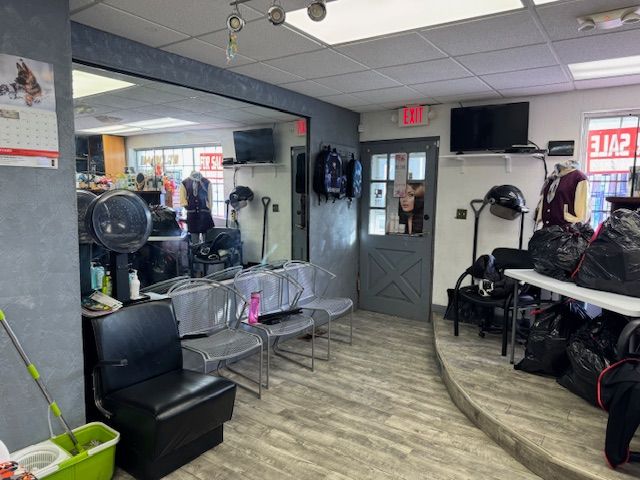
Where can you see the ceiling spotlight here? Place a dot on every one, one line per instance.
(630, 18)
(317, 10)
(235, 22)
(276, 14)
(586, 24)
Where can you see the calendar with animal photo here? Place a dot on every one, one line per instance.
(26, 83)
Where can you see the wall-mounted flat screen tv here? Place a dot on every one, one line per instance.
(254, 146)
(489, 127)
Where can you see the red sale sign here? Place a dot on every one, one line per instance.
(210, 162)
(611, 150)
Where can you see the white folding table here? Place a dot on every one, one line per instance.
(622, 304)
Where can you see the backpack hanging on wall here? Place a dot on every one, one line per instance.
(354, 178)
(328, 177)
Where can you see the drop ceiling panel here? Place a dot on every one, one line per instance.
(494, 33)
(311, 88)
(559, 20)
(322, 63)
(205, 52)
(161, 111)
(599, 47)
(608, 82)
(345, 100)
(526, 78)
(539, 90)
(128, 116)
(519, 58)
(193, 17)
(228, 103)
(423, 72)
(390, 51)
(358, 82)
(459, 86)
(241, 116)
(115, 102)
(148, 95)
(266, 73)
(401, 103)
(83, 123)
(195, 105)
(470, 97)
(91, 110)
(175, 89)
(385, 95)
(262, 40)
(112, 20)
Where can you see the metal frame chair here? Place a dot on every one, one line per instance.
(226, 274)
(207, 315)
(163, 286)
(275, 296)
(307, 275)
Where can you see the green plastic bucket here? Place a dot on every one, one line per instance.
(95, 462)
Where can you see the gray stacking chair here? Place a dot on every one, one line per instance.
(275, 296)
(207, 313)
(226, 274)
(163, 286)
(324, 310)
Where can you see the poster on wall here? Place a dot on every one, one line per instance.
(400, 179)
(28, 120)
(405, 215)
(611, 150)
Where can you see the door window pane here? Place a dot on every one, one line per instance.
(377, 219)
(378, 194)
(379, 167)
(417, 166)
(392, 167)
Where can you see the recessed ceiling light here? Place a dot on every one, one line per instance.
(376, 18)
(542, 2)
(112, 129)
(85, 84)
(161, 123)
(612, 67)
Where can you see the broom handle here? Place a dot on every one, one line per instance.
(33, 371)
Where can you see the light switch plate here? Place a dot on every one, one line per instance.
(276, 207)
(461, 214)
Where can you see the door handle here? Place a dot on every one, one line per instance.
(426, 217)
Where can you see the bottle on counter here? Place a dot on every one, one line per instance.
(134, 285)
(106, 284)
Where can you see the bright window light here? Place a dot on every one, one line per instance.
(85, 84)
(161, 123)
(613, 67)
(349, 20)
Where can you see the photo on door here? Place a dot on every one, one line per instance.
(405, 214)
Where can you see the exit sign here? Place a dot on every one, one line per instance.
(413, 115)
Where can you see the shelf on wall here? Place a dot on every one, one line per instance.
(238, 166)
(462, 158)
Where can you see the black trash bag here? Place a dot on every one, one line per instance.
(164, 221)
(557, 250)
(546, 346)
(591, 349)
(612, 261)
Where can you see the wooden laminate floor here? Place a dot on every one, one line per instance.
(378, 410)
(561, 425)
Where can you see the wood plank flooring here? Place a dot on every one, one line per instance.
(512, 405)
(378, 410)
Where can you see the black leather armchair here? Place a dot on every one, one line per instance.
(166, 416)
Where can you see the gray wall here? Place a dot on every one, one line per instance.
(332, 226)
(39, 281)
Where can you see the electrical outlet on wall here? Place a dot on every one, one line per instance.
(461, 214)
(276, 207)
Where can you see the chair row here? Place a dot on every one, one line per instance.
(212, 315)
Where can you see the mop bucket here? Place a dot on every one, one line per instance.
(53, 459)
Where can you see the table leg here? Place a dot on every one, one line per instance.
(514, 322)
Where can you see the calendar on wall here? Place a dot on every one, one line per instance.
(28, 120)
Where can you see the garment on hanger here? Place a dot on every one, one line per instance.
(564, 197)
(196, 196)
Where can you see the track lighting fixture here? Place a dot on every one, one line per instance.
(235, 22)
(317, 10)
(608, 20)
(276, 13)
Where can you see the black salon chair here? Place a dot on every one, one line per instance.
(166, 416)
(505, 258)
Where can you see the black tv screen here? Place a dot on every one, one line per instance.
(254, 146)
(489, 127)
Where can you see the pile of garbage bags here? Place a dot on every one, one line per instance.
(557, 250)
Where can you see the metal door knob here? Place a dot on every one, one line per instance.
(426, 217)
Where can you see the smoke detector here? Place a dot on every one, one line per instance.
(608, 20)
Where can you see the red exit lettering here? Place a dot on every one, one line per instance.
(413, 115)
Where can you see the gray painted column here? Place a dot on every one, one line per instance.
(39, 279)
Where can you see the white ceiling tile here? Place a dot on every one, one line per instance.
(262, 40)
(228, 103)
(321, 63)
(241, 116)
(262, 111)
(193, 17)
(345, 100)
(493, 33)
(115, 102)
(390, 51)
(175, 89)
(539, 90)
(83, 123)
(86, 109)
(358, 81)
(519, 58)
(368, 108)
(266, 73)
(310, 88)
(206, 53)
(607, 82)
(130, 116)
(452, 87)
(423, 72)
(196, 105)
(394, 94)
(147, 95)
(161, 111)
(400, 104)
(112, 20)
(526, 78)
(559, 20)
(469, 97)
(599, 47)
